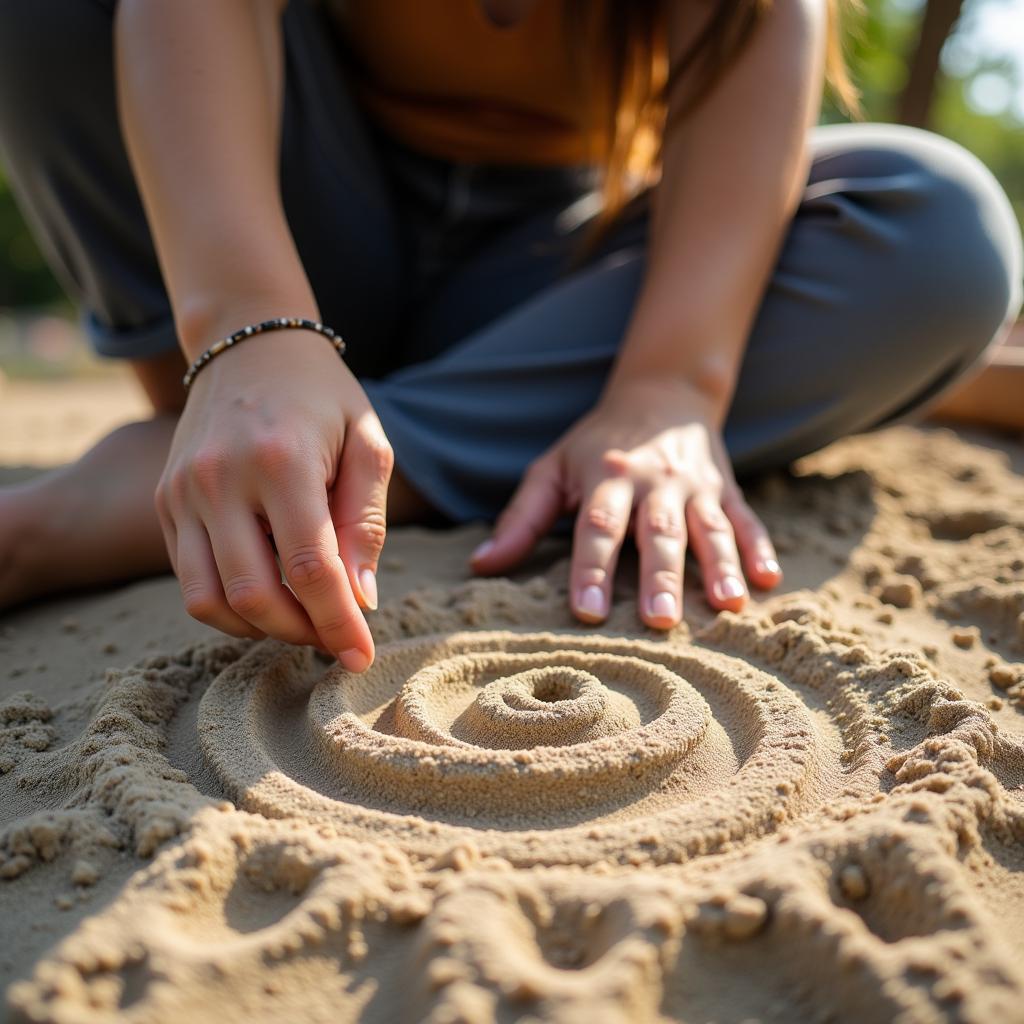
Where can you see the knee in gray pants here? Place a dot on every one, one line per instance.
(902, 264)
(953, 275)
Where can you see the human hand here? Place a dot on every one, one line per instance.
(649, 458)
(278, 440)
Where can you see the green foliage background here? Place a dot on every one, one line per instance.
(878, 44)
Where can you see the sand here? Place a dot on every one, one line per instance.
(809, 811)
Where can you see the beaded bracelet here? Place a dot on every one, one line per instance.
(277, 324)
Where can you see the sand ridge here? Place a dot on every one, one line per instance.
(811, 810)
(686, 781)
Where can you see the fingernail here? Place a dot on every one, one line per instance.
(769, 565)
(591, 601)
(368, 585)
(729, 587)
(354, 660)
(482, 550)
(663, 606)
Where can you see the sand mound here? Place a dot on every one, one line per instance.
(809, 811)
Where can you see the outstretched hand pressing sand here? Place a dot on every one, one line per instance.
(649, 459)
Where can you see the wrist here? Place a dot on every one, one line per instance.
(704, 391)
(251, 332)
(202, 320)
(696, 348)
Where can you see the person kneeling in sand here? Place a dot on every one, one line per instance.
(587, 258)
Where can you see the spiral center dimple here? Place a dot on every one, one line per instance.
(547, 706)
(550, 691)
(538, 688)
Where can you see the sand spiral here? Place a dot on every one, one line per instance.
(565, 748)
(489, 731)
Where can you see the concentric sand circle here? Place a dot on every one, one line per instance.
(569, 748)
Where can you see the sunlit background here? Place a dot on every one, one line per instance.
(953, 66)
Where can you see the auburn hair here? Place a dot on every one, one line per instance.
(631, 35)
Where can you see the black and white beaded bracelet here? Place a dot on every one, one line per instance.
(277, 324)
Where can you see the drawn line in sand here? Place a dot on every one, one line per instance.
(542, 748)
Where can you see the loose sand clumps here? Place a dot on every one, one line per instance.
(542, 748)
(811, 811)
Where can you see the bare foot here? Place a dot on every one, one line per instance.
(89, 523)
(93, 521)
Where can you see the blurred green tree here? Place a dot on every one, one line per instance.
(919, 62)
(915, 101)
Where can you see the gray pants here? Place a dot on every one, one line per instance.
(448, 280)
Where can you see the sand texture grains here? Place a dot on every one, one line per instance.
(809, 811)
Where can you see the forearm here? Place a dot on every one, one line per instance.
(732, 174)
(200, 93)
